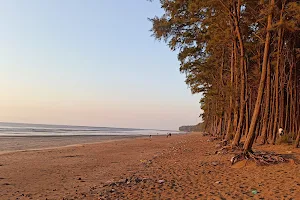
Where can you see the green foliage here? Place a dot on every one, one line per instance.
(199, 127)
(285, 139)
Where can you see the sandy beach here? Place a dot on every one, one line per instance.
(178, 167)
(22, 143)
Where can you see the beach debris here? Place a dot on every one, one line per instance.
(79, 179)
(146, 162)
(205, 134)
(254, 191)
(229, 149)
(109, 183)
(214, 163)
(224, 143)
(137, 180)
(127, 181)
(218, 182)
(28, 195)
(232, 160)
(211, 139)
(202, 163)
(161, 181)
(91, 188)
(113, 188)
(236, 158)
(207, 154)
(123, 180)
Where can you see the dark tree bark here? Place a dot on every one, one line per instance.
(267, 106)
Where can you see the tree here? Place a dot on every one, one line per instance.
(243, 57)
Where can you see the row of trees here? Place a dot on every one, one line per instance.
(243, 56)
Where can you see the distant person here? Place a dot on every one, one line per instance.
(280, 131)
(169, 135)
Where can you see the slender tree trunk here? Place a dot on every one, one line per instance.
(257, 129)
(219, 127)
(287, 109)
(236, 19)
(238, 133)
(251, 135)
(297, 143)
(267, 106)
(271, 120)
(228, 129)
(276, 114)
(247, 101)
(294, 99)
(247, 117)
(236, 112)
(281, 101)
(250, 108)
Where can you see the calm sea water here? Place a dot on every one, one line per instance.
(22, 129)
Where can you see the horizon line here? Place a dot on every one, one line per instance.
(86, 126)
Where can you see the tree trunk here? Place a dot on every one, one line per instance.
(297, 143)
(276, 115)
(251, 135)
(235, 91)
(228, 128)
(236, 19)
(267, 106)
(219, 127)
(271, 120)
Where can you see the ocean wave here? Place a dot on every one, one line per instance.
(22, 129)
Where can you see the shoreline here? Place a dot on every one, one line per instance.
(10, 144)
(64, 146)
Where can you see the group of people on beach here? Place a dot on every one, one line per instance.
(168, 135)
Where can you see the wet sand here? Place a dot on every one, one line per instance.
(178, 167)
(21, 143)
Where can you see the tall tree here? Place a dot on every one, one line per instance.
(243, 57)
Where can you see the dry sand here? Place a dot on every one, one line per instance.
(178, 167)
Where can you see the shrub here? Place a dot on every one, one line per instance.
(285, 139)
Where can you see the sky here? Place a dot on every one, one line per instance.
(91, 63)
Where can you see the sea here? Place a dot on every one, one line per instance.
(24, 129)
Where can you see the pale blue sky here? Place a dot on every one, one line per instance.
(89, 62)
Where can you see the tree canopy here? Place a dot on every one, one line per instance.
(243, 56)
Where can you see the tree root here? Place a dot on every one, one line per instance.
(225, 148)
(260, 158)
(212, 138)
